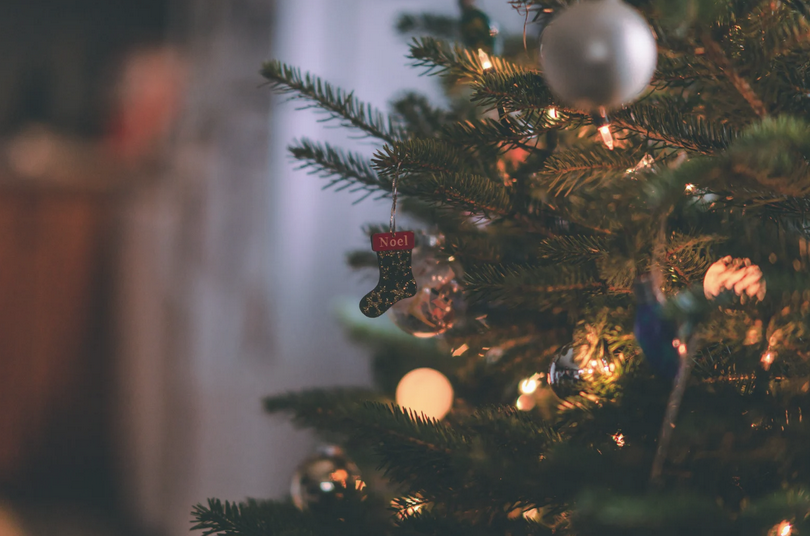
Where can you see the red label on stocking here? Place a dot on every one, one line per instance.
(392, 241)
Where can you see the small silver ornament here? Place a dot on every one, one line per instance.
(326, 479)
(598, 54)
(565, 377)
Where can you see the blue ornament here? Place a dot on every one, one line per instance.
(656, 334)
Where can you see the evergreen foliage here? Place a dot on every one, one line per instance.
(550, 230)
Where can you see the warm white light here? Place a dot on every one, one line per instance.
(607, 136)
(529, 385)
(784, 529)
(553, 114)
(486, 64)
(618, 437)
(425, 391)
(689, 188)
(525, 402)
(460, 350)
(767, 360)
(413, 507)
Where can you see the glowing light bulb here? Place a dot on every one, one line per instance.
(618, 437)
(425, 391)
(689, 188)
(553, 114)
(460, 350)
(607, 136)
(483, 57)
(529, 385)
(784, 529)
(767, 359)
(525, 402)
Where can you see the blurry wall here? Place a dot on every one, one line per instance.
(232, 263)
(59, 60)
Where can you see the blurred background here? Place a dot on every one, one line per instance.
(162, 265)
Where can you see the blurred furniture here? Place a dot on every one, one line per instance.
(53, 367)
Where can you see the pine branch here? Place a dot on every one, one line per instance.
(479, 247)
(506, 133)
(439, 57)
(440, 524)
(474, 193)
(349, 170)
(665, 122)
(768, 32)
(766, 164)
(594, 168)
(514, 91)
(573, 250)
(545, 287)
(421, 156)
(337, 104)
(681, 71)
(447, 182)
(719, 58)
(252, 518)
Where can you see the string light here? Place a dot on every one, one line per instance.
(618, 437)
(483, 57)
(681, 347)
(552, 113)
(784, 528)
(602, 123)
(689, 188)
(767, 359)
(607, 136)
(525, 402)
(646, 163)
(529, 385)
(532, 514)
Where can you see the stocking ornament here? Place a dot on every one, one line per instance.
(394, 258)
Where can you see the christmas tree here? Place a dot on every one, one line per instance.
(613, 276)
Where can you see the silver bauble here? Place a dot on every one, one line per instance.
(565, 375)
(598, 53)
(322, 481)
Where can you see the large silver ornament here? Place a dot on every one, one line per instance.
(598, 54)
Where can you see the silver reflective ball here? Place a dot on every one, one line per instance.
(565, 375)
(600, 53)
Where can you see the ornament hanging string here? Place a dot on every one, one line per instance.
(393, 225)
(681, 379)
